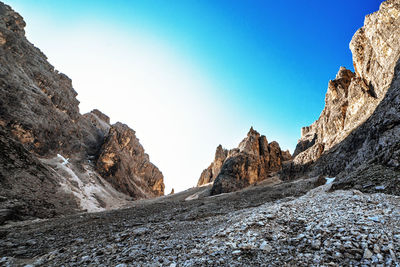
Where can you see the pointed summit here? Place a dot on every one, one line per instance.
(253, 132)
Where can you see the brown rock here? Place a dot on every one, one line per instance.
(39, 112)
(254, 160)
(209, 174)
(27, 187)
(362, 152)
(101, 115)
(353, 97)
(126, 166)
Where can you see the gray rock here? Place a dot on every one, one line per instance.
(367, 254)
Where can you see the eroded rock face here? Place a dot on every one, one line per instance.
(39, 112)
(124, 164)
(28, 189)
(209, 174)
(360, 145)
(369, 158)
(352, 97)
(254, 160)
(38, 105)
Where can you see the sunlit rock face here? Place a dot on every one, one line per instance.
(209, 174)
(40, 119)
(125, 165)
(351, 98)
(254, 160)
(357, 136)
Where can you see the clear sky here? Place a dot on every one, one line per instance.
(188, 75)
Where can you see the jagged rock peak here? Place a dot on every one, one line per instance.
(208, 175)
(254, 160)
(351, 98)
(251, 144)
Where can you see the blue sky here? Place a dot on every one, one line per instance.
(195, 74)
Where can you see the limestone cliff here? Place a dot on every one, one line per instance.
(352, 97)
(357, 136)
(254, 160)
(41, 124)
(209, 174)
(124, 164)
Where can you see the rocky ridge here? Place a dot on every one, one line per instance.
(353, 97)
(359, 146)
(40, 120)
(254, 160)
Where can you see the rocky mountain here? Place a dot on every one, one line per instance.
(353, 97)
(252, 161)
(357, 135)
(343, 210)
(52, 156)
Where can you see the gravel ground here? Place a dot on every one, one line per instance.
(317, 229)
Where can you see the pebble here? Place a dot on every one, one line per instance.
(367, 254)
(236, 252)
(265, 246)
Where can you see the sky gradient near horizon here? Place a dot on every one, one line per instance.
(188, 75)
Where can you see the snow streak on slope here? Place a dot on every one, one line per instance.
(91, 191)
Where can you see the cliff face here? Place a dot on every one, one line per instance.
(209, 174)
(369, 158)
(124, 164)
(254, 160)
(352, 97)
(39, 112)
(357, 135)
(28, 188)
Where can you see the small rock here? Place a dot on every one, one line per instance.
(375, 218)
(236, 252)
(316, 244)
(367, 254)
(376, 249)
(270, 216)
(85, 258)
(266, 247)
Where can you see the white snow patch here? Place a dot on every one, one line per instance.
(207, 184)
(88, 187)
(65, 161)
(330, 180)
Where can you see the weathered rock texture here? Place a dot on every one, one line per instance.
(209, 174)
(124, 164)
(27, 187)
(39, 116)
(254, 160)
(357, 136)
(352, 97)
